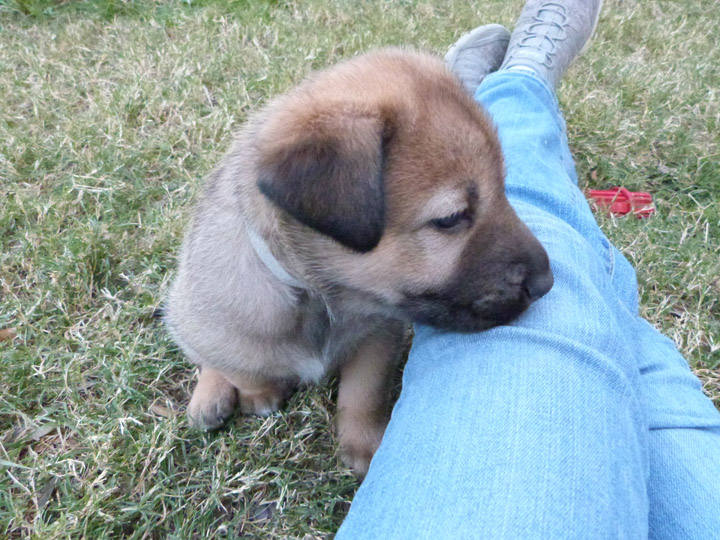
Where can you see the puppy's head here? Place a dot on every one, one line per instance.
(393, 180)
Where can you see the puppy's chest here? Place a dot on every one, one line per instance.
(329, 332)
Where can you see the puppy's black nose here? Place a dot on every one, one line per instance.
(538, 284)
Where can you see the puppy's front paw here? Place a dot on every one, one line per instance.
(212, 402)
(358, 442)
(263, 398)
(260, 404)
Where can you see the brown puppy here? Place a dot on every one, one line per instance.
(370, 196)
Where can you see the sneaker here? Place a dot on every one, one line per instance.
(549, 35)
(477, 53)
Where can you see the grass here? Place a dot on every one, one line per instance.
(112, 112)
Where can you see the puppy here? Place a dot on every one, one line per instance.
(369, 197)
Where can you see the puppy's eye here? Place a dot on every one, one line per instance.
(452, 222)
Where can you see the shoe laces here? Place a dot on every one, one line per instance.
(546, 30)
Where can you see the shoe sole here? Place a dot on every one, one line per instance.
(592, 32)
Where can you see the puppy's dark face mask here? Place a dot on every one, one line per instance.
(501, 270)
(398, 195)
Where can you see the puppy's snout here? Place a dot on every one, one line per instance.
(537, 285)
(539, 278)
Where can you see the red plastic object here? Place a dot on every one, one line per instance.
(620, 201)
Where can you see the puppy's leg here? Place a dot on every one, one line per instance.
(213, 400)
(260, 395)
(363, 397)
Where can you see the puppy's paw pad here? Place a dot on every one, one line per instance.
(358, 446)
(209, 412)
(260, 404)
(266, 399)
(357, 460)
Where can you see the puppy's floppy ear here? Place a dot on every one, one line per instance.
(325, 169)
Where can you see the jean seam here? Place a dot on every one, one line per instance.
(611, 259)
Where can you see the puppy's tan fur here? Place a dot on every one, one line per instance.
(351, 179)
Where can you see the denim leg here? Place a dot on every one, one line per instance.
(538, 429)
(684, 426)
(683, 442)
(683, 487)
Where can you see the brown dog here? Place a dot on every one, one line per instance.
(370, 196)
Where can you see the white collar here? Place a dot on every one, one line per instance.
(262, 250)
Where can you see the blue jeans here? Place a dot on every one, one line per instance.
(579, 420)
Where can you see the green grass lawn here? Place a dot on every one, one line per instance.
(111, 112)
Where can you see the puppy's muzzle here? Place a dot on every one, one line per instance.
(502, 275)
(505, 290)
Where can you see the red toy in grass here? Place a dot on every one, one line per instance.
(620, 201)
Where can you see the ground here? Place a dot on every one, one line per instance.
(112, 111)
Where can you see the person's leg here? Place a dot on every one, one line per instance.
(684, 427)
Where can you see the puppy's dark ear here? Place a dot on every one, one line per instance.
(326, 172)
